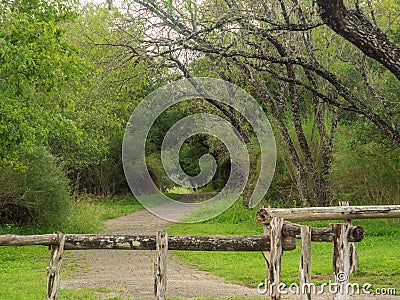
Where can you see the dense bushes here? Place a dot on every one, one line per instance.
(35, 193)
(366, 167)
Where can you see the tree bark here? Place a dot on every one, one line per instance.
(160, 266)
(358, 30)
(274, 276)
(53, 271)
(305, 263)
(353, 256)
(340, 260)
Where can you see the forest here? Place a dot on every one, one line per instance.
(326, 74)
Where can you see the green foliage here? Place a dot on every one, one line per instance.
(192, 149)
(35, 65)
(366, 166)
(105, 98)
(57, 90)
(37, 194)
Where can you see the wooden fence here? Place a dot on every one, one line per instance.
(58, 242)
(279, 235)
(343, 236)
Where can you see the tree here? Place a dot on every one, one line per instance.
(293, 62)
(57, 90)
(106, 96)
(35, 65)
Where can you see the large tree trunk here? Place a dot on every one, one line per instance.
(357, 29)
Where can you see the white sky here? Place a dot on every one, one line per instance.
(115, 2)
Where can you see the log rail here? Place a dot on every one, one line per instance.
(193, 243)
(147, 242)
(265, 214)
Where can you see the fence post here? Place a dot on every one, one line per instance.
(53, 270)
(267, 257)
(341, 261)
(274, 278)
(352, 251)
(305, 263)
(160, 266)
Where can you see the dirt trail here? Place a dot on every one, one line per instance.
(130, 273)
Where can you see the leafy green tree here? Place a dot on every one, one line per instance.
(37, 194)
(103, 102)
(35, 66)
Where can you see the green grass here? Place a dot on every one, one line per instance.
(23, 272)
(89, 293)
(23, 269)
(378, 252)
(90, 213)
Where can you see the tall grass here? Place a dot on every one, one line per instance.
(86, 215)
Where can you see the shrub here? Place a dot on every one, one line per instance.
(36, 193)
(366, 167)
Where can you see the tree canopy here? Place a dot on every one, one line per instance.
(302, 59)
(326, 74)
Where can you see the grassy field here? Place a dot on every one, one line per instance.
(378, 252)
(23, 269)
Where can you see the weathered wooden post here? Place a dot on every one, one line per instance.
(353, 251)
(274, 276)
(53, 270)
(341, 261)
(160, 266)
(305, 263)
(267, 255)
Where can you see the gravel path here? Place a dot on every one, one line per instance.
(129, 274)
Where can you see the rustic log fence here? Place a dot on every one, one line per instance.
(277, 226)
(161, 242)
(279, 235)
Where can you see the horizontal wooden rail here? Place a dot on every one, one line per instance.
(148, 242)
(265, 214)
(28, 240)
(355, 234)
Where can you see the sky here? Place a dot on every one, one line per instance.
(115, 2)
